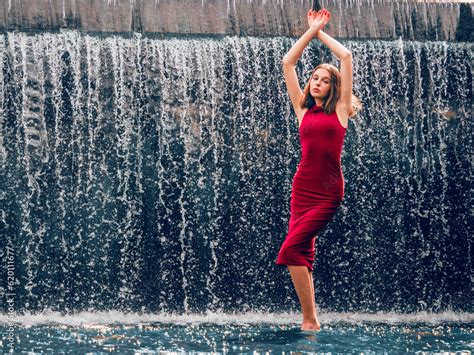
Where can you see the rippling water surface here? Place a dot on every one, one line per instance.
(236, 333)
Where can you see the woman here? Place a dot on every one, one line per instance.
(323, 110)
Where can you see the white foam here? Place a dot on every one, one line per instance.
(221, 318)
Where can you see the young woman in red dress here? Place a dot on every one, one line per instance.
(323, 109)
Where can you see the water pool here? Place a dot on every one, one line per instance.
(105, 332)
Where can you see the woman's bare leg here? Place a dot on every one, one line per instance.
(302, 282)
(312, 287)
(313, 297)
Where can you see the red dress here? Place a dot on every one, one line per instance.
(318, 186)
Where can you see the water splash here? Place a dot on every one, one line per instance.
(155, 174)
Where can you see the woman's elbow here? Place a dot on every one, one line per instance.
(347, 54)
(286, 61)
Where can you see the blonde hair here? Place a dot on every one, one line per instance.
(329, 104)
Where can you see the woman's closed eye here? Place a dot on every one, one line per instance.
(324, 81)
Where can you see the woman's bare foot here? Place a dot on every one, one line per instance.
(311, 325)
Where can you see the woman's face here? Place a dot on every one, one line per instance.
(320, 84)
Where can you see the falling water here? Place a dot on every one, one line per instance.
(364, 19)
(151, 174)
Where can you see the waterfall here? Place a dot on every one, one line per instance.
(364, 19)
(154, 174)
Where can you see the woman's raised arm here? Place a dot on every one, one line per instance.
(345, 56)
(315, 22)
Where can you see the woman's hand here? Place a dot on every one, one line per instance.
(317, 20)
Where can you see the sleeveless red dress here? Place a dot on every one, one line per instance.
(317, 188)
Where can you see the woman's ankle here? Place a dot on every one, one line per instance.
(312, 319)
